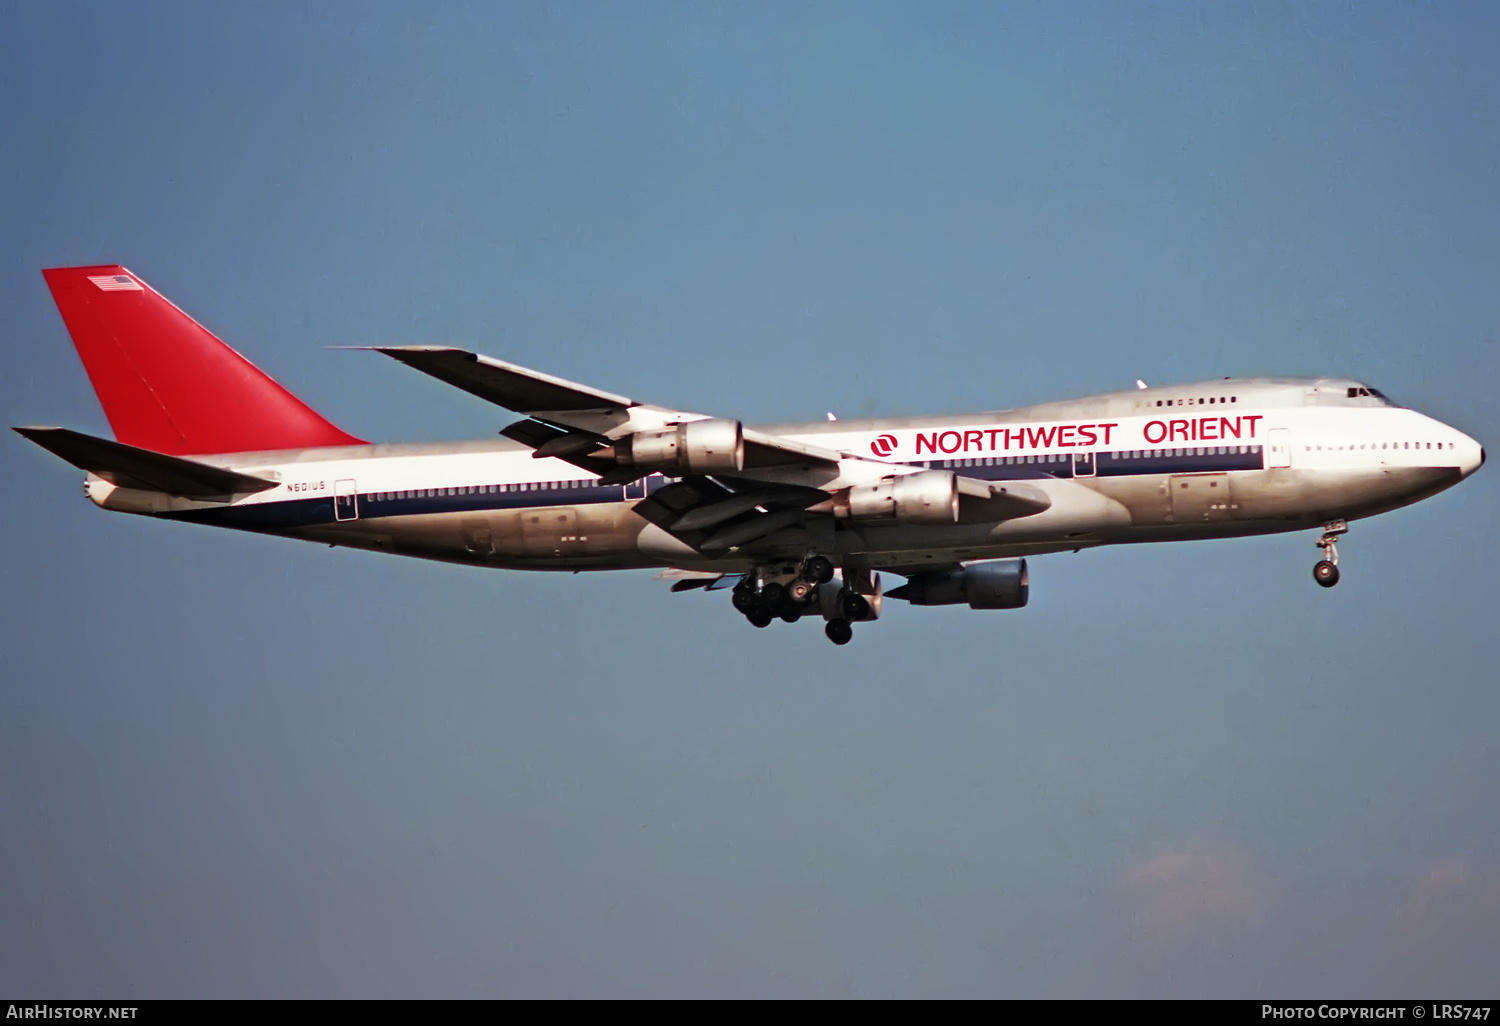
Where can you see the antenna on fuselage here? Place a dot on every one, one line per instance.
(1139, 383)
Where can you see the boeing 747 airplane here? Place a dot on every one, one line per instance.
(792, 519)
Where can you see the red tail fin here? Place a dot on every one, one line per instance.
(165, 382)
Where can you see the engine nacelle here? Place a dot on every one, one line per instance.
(926, 497)
(993, 584)
(698, 447)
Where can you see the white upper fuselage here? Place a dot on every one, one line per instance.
(1206, 460)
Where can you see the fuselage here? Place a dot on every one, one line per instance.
(1215, 459)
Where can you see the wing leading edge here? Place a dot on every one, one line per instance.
(582, 420)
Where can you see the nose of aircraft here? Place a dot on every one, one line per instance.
(1472, 456)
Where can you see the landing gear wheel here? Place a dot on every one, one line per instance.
(772, 594)
(743, 600)
(800, 591)
(1326, 570)
(854, 606)
(819, 569)
(789, 612)
(760, 616)
(839, 632)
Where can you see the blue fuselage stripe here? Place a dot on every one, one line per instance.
(1199, 459)
(290, 514)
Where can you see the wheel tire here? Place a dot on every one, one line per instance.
(839, 632)
(789, 612)
(772, 594)
(760, 616)
(800, 591)
(744, 601)
(855, 606)
(820, 569)
(1326, 573)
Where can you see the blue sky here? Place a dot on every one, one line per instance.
(233, 765)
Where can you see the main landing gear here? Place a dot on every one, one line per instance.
(767, 594)
(1326, 570)
(839, 632)
(853, 606)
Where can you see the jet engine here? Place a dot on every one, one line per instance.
(698, 447)
(926, 497)
(993, 584)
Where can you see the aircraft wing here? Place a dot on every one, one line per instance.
(988, 501)
(505, 384)
(714, 512)
(582, 419)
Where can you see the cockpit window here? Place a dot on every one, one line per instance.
(1362, 391)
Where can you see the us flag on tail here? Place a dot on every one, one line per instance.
(116, 283)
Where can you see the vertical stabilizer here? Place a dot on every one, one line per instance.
(166, 383)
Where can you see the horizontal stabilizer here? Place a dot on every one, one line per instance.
(130, 467)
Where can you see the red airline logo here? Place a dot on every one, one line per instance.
(1100, 435)
(999, 439)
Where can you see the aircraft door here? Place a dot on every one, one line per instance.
(551, 531)
(345, 500)
(1199, 498)
(1083, 464)
(478, 538)
(1278, 448)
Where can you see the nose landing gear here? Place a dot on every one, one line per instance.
(1326, 570)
